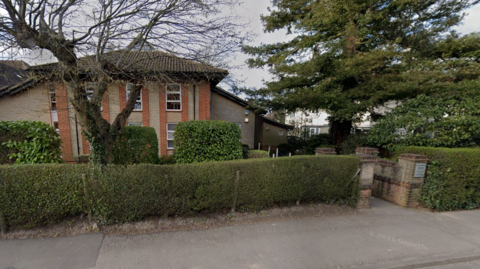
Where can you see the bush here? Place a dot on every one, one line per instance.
(136, 144)
(315, 141)
(286, 148)
(29, 142)
(353, 141)
(206, 141)
(453, 177)
(35, 195)
(258, 154)
(167, 160)
(245, 151)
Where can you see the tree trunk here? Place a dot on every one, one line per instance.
(339, 130)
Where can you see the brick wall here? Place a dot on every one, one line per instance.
(64, 122)
(396, 181)
(227, 110)
(34, 104)
(271, 135)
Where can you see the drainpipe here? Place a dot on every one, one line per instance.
(194, 102)
(76, 131)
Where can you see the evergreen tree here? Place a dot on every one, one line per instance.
(349, 56)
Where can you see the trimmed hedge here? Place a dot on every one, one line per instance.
(453, 177)
(35, 195)
(206, 141)
(40, 194)
(254, 153)
(136, 144)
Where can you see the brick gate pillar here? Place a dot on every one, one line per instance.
(411, 176)
(367, 166)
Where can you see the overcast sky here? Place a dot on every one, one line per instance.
(252, 9)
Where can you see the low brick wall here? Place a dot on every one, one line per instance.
(396, 181)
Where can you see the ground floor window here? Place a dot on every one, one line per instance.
(170, 130)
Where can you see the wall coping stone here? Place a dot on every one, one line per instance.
(365, 150)
(326, 151)
(413, 157)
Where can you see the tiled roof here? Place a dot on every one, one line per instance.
(12, 78)
(142, 61)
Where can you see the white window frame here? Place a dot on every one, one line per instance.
(173, 101)
(170, 131)
(56, 127)
(135, 124)
(139, 99)
(53, 100)
(313, 131)
(89, 91)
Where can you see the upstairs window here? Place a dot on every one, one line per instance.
(53, 100)
(174, 97)
(90, 88)
(138, 103)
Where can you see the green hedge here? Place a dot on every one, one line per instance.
(34, 195)
(258, 154)
(204, 141)
(40, 194)
(136, 144)
(453, 177)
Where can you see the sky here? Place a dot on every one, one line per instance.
(252, 9)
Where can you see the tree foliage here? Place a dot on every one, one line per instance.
(444, 119)
(72, 28)
(348, 57)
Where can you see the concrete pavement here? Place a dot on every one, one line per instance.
(385, 236)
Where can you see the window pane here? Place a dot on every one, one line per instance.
(138, 106)
(173, 97)
(173, 105)
(169, 144)
(171, 126)
(173, 87)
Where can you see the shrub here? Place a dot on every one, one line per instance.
(245, 151)
(39, 194)
(136, 144)
(353, 141)
(286, 148)
(315, 141)
(206, 141)
(29, 142)
(453, 177)
(167, 160)
(258, 154)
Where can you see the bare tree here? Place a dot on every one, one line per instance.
(73, 28)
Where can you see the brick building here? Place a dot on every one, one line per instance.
(175, 90)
